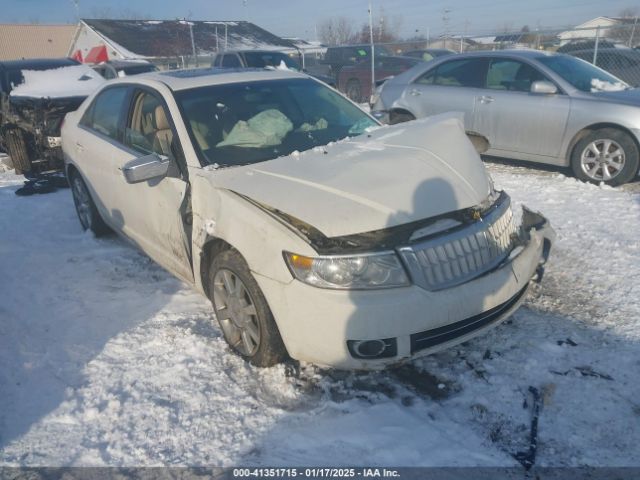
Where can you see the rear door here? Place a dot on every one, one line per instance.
(451, 86)
(98, 147)
(515, 120)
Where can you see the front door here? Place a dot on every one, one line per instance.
(513, 119)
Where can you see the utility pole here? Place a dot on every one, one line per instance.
(633, 31)
(373, 64)
(193, 44)
(445, 21)
(77, 8)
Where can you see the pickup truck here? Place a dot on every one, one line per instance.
(31, 115)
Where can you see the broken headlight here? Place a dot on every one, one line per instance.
(352, 272)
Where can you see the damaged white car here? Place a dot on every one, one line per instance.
(315, 233)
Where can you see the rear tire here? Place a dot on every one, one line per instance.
(17, 150)
(354, 90)
(242, 311)
(88, 214)
(605, 155)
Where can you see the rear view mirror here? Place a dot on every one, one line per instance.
(542, 86)
(146, 168)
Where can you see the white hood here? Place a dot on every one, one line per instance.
(392, 176)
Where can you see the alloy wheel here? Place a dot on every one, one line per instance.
(236, 312)
(602, 160)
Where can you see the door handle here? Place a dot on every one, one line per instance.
(415, 93)
(486, 99)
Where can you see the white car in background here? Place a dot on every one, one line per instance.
(314, 232)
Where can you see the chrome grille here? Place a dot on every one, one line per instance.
(454, 258)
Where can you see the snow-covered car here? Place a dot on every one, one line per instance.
(314, 231)
(34, 98)
(532, 106)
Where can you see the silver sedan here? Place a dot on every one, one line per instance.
(532, 106)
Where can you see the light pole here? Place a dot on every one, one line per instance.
(373, 68)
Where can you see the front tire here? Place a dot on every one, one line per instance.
(242, 311)
(605, 155)
(88, 214)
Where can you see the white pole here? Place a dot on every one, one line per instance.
(595, 50)
(633, 30)
(427, 37)
(373, 62)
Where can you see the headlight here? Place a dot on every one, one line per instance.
(366, 271)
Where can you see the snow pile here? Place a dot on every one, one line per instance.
(603, 86)
(75, 81)
(115, 362)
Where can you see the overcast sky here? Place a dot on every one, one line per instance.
(299, 17)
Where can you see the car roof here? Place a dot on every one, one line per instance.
(522, 53)
(201, 77)
(252, 50)
(38, 63)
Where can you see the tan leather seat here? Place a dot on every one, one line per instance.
(163, 135)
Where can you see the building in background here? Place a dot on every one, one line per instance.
(24, 41)
(169, 43)
(604, 27)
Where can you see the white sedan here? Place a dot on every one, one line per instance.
(316, 233)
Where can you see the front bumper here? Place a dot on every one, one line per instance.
(316, 324)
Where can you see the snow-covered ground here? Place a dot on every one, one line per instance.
(105, 359)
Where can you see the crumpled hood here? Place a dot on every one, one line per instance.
(392, 176)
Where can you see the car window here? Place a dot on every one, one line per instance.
(467, 72)
(148, 129)
(103, 115)
(270, 59)
(245, 123)
(506, 74)
(231, 61)
(581, 74)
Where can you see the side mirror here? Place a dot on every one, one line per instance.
(544, 87)
(146, 168)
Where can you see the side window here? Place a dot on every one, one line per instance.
(427, 78)
(468, 72)
(104, 114)
(505, 74)
(148, 129)
(231, 61)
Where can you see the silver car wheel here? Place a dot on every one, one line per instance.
(602, 160)
(82, 201)
(236, 312)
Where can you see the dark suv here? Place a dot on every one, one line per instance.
(262, 59)
(338, 57)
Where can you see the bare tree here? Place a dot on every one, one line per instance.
(336, 31)
(386, 29)
(627, 31)
(629, 12)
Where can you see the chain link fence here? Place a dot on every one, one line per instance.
(614, 48)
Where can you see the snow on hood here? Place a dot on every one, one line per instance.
(602, 86)
(388, 177)
(74, 81)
